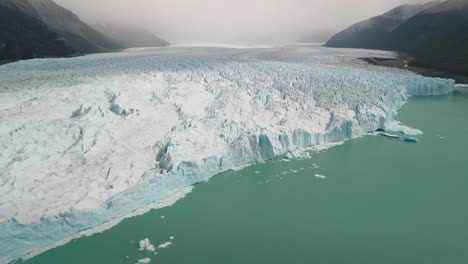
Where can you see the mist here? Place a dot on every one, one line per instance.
(182, 21)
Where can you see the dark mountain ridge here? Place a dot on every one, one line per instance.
(376, 31)
(79, 35)
(24, 37)
(436, 34)
(42, 28)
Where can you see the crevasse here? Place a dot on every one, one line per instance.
(88, 141)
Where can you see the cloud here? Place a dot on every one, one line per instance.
(232, 20)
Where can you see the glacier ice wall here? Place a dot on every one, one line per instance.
(86, 141)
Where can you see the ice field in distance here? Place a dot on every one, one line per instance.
(87, 141)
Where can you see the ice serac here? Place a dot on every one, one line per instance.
(85, 142)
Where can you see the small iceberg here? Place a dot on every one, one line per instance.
(400, 138)
(165, 245)
(297, 155)
(411, 140)
(145, 244)
(319, 176)
(144, 261)
(390, 136)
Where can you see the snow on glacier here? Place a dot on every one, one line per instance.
(87, 141)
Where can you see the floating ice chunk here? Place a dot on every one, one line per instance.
(400, 138)
(165, 245)
(390, 136)
(319, 176)
(171, 238)
(145, 244)
(297, 155)
(411, 139)
(150, 248)
(144, 261)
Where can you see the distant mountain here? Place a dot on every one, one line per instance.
(73, 37)
(25, 37)
(377, 31)
(437, 37)
(81, 37)
(436, 34)
(131, 37)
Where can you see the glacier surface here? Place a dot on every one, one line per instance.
(87, 141)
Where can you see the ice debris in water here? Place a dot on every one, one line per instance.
(297, 155)
(165, 244)
(319, 176)
(400, 138)
(87, 141)
(144, 261)
(145, 244)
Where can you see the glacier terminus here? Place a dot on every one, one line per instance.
(86, 142)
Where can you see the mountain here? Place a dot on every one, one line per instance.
(42, 28)
(80, 36)
(131, 37)
(437, 37)
(375, 33)
(25, 37)
(436, 34)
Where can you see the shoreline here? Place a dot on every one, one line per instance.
(170, 200)
(405, 61)
(166, 202)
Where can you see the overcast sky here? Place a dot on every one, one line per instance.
(230, 20)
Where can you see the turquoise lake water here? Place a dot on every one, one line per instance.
(381, 201)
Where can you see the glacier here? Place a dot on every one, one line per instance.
(88, 141)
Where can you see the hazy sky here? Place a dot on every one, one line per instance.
(229, 20)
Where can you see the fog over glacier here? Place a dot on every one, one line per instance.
(233, 20)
